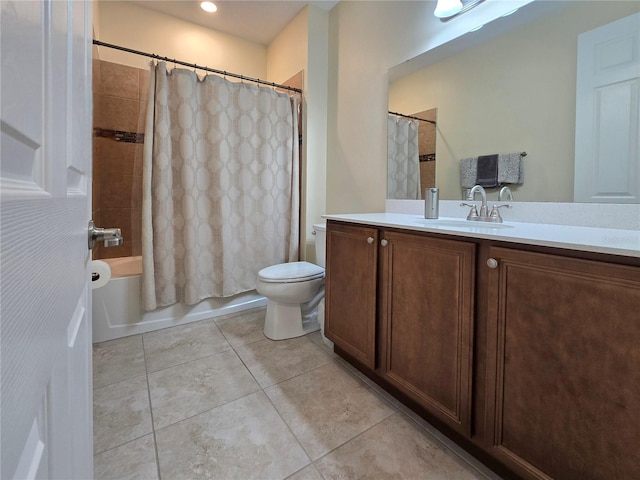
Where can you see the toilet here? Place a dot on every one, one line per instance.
(294, 291)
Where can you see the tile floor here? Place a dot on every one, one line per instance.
(217, 400)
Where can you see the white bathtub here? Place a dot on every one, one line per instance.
(117, 307)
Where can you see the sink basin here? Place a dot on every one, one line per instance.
(462, 224)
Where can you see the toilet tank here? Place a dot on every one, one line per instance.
(321, 242)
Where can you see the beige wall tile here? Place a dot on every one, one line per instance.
(117, 158)
(95, 73)
(143, 84)
(115, 113)
(119, 80)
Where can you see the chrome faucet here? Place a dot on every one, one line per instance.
(484, 211)
(484, 215)
(505, 192)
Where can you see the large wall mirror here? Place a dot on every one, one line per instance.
(509, 87)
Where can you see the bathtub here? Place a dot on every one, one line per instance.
(117, 306)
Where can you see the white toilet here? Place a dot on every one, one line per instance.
(294, 290)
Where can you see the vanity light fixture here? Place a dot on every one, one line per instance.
(448, 9)
(209, 7)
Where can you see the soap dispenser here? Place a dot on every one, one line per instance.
(431, 199)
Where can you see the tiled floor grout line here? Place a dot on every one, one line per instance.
(418, 421)
(244, 364)
(121, 444)
(290, 430)
(353, 438)
(261, 389)
(189, 361)
(332, 359)
(153, 426)
(208, 410)
(341, 363)
(231, 348)
(114, 383)
(312, 461)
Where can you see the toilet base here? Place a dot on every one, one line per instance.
(285, 321)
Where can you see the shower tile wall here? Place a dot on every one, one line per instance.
(427, 146)
(119, 103)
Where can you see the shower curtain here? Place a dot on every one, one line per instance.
(220, 186)
(403, 175)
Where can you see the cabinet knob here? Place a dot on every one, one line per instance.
(492, 263)
(370, 240)
(384, 242)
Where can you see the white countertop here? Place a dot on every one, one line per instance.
(588, 239)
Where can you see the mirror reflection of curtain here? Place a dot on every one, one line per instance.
(403, 178)
(220, 186)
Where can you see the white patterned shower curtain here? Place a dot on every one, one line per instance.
(220, 186)
(403, 169)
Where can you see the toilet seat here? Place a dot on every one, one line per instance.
(291, 272)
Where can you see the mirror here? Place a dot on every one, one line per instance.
(508, 87)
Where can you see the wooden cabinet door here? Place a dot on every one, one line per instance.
(350, 290)
(427, 322)
(563, 378)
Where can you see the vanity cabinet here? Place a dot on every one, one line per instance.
(528, 356)
(420, 289)
(426, 322)
(563, 366)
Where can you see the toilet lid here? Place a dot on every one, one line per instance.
(291, 272)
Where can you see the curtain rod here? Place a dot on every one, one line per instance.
(411, 117)
(198, 67)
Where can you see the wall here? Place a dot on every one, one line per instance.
(366, 39)
(302, 45)
(512, 93)
(132, 26)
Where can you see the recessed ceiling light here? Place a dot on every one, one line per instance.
(208, 7)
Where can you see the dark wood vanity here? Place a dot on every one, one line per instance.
(531, 361)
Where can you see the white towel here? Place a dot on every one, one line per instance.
(469, 171)
(510, 168)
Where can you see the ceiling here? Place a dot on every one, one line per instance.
(256, 21)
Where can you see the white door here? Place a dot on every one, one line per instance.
(607, 162)
(45, 186)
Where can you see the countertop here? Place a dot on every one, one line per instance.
(587, 239)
